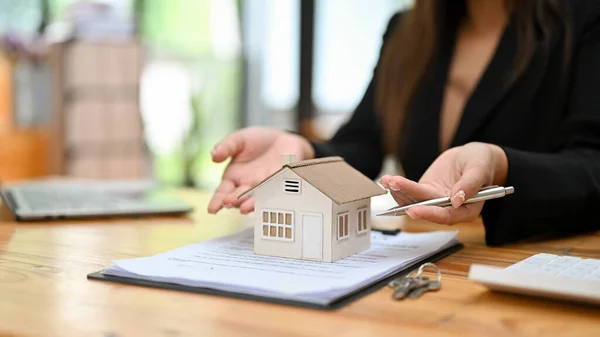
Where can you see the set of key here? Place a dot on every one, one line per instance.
(414, 287)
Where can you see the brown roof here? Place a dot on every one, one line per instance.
(334, 178)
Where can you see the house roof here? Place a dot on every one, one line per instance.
(333, 177)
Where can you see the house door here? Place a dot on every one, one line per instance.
(312, 236)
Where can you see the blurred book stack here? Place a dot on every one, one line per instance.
(96, 72)
(96, 95)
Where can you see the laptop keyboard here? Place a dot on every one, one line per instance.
(65, 199)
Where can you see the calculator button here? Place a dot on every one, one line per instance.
(573, 273)
(544, 258)
(522, 266)
(556, 267)
(565, 261)
(593, 277)
(590, 263)
(546, 271)
(584, 269)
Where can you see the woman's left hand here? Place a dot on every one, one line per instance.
(459, 172)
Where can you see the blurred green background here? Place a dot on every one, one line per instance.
(180, 31)
(210, 67)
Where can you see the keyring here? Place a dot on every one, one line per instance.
(399, 281)
(437, 270)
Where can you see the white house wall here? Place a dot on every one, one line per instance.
(271, 196)
(355, 242)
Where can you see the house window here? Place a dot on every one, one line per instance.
(278, 225)
(361, 221)
(291, 186)
(342, 226)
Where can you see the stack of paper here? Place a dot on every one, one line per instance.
(229, 264)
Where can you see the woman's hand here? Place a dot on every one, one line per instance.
(255, 154)
(459, 173)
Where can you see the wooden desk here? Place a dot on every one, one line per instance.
(44, 290)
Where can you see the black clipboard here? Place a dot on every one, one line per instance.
(337, 304)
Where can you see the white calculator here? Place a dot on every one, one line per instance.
(545, 275)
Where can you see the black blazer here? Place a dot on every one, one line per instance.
(548, 123)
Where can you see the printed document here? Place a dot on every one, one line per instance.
(229, 264)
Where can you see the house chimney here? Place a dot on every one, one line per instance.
(287, 158)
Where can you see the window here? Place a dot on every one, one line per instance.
(291, 186)
(362, 221)
(342, 226)
(278, 225)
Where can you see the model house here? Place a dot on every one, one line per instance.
(314, 210)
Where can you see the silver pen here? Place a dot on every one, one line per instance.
(486, 193)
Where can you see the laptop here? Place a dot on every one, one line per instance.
(51, 199)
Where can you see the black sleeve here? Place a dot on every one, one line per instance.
(557, 194)
(359, 141)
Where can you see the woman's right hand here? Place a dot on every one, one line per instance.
(255, 154)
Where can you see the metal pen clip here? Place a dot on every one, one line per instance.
(486, 193)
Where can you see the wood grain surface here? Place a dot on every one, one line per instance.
(44, 290)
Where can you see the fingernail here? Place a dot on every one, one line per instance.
(394, 186)
(458, 199)
(411, 214)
